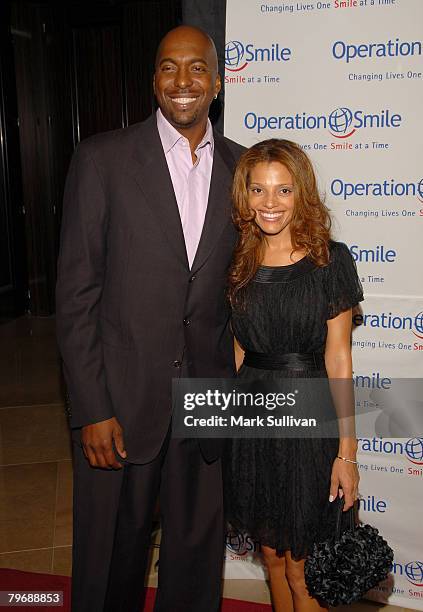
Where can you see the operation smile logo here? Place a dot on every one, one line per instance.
(413, 571)
(377, 254)
(385, 188)
(342, 122)
(419, 325)
(387, 320)
(240, 544)
(238, 55)
(412, 450)
(348, 52)
(420, 191)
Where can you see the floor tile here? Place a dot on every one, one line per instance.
(31, 434)
(63, 522)
(28, 494)
(28, 560)
(247, 590)
(62, 561)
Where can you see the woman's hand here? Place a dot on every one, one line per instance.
(344, 476)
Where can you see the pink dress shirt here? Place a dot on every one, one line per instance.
(191, 182)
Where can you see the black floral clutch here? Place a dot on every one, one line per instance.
(342, 569)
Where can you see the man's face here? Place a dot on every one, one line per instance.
(186, 78)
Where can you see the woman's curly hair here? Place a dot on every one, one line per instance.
(310, 224)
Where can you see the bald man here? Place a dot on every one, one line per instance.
(146, 243)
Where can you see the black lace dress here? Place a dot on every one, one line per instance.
(277, 490)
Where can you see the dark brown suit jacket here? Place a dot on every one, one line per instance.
(131, 315)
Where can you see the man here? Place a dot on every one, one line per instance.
(146, 243)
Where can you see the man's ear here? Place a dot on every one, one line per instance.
(218, 84)
(154, 83)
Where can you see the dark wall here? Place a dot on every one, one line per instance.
(210, 15)
(78, 68)
(68, 70)
(13, 285)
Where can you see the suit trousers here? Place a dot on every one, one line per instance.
(113, 511)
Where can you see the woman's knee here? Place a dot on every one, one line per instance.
(271, 559)
(295, 575)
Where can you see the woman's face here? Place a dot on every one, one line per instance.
(271, 196)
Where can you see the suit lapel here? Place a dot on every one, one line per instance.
(149, 168)
(218, 212)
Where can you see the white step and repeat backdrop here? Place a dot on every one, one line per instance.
(345, 80)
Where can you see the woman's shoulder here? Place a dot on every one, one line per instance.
(337, 247)
(339, 252)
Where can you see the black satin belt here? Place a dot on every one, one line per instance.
(281, 361)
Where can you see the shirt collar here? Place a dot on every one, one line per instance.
(170, 135)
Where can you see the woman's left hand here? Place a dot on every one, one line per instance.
(344, 476)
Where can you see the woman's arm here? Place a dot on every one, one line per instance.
(339, 366)
(239, 354)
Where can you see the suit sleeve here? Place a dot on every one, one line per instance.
(80, 275)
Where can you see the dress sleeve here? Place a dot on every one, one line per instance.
(343, 284)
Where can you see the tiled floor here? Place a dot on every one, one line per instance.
(35, 459)
(36, 467)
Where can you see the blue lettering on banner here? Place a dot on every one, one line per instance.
(267, 54)
(373, 381)
(396, 48)
(387, 320)
(238, 55)
(412, 449)
(413, 571)
(280, 8)
(386, 188)
(339, 121)
(371, 504)
(381, 445)
(377, 254)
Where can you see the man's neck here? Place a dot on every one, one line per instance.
(194, 134)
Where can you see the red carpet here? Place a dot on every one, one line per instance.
(28, 581)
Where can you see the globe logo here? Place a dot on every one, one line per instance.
(418, 324)
(420, 190)
(235, 542)
(234, 52)
(414, 572)
(340, 121)
(414, 450)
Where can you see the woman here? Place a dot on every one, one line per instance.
(292, 290)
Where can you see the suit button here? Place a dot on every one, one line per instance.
(192, 278)
(186, 322)
(177, 364)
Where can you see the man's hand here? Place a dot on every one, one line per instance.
(97, 443)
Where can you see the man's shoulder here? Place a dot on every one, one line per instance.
(115, 143)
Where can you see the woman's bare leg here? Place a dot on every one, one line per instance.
(281, 593)
(303, 602)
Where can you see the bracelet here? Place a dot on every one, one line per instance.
(347, 460)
